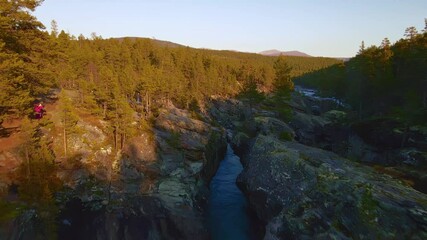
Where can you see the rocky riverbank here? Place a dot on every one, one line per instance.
(155, 188)
(300, 184)
(304, 193)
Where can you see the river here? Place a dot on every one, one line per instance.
(228, 218)
(312, 93)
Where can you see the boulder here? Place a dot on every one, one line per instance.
(182, 139)
(335, 116)
(413, 157)
(360, 151)
(383, 133)
(307, 127)
(177, 120)
(274, 127)
(228, 112)
(302, 192)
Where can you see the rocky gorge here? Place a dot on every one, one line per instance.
(155, 188)
(303, 187)
(309, 176)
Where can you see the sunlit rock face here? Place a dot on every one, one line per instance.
(304, 192)
(154, 188)
(189, 151)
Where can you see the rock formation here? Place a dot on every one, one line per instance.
(304, 193)
(155, 187)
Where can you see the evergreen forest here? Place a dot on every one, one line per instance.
(116, 77)
(389, 80)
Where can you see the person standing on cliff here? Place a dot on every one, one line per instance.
(39, 110)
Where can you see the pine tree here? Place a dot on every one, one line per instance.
(14, 94)
(251, 93)
(283, 82)
(68, 118)
(122, 122)
(24, 69)
(361, 48)
(54, 29)
(38, 183)
(411, 33)
(282, 86)
(29, 133)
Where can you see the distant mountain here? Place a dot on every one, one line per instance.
(275, 52)
(272, 52)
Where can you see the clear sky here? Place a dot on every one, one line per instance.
(332, 28)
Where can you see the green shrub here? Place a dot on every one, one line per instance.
(285, 136)
(174, 140)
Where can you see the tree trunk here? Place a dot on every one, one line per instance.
(122, 140)
(27, 157)
(115, 137)
(147, 104)
(109, 190)
(104, 109)
(65, 141)
(81, 96)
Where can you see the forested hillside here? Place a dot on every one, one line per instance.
(120, 81)
(117, 74)
(385, 80)
(183, 75)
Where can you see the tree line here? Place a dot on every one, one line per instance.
(389, 80)
(114, 75)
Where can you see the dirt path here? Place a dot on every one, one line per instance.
(10, 141)
(9, 135)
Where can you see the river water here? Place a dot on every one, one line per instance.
(312, 93)
(228, 217)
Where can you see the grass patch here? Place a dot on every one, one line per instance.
(174, 140)
(8, 211)
(368, 205)
(285, 136)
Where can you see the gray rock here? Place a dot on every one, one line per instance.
(307, 193)
(274, 127)
(195, 167)
(413, 157)
(335, 115)
(170, 162)
(174, 193)
(307, 127)
(189, 151)
(175, 120)
(360, 151)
